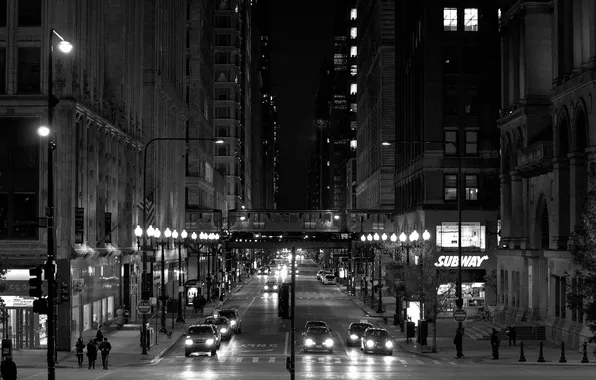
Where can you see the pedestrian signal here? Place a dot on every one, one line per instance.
(35, 282)
(40, 306)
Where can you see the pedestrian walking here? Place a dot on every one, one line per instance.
(494, 342)
(221, 299)
(8, 369)
(105, 347)
(80, 348)
(92, 352)
(458, 341)
(202, 303)
(99, 336)
(195, 304)
(512, 334)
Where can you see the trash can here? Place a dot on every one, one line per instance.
(411, 331)
(6, 348)
(150, 336)
(422, 332)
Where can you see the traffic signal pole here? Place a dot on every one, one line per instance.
(293, 318)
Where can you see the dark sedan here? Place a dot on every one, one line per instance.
(317, 339)
(376, 340)
(355, 332)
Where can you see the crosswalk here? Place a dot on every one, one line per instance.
(306, 359)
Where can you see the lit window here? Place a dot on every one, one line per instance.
(353, 107)
(471, 20)
(471, 143)
(450, 19)
(353, 88)
(499, 13)
(472, 235)
(450, 143)
(450, 187)
(353, 51)
(353, 32)
(471, 187)
(353, 14)
(353, 70)
(353, 145)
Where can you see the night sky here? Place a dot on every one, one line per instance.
(302, 37)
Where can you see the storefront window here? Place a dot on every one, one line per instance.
(110, 308)
(473, 235)
(75, 320)
(86, 317)
(96, 314)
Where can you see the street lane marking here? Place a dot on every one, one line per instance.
(452, 363)
(255, 359)
(402, 361)
(338, 360)
(245, 310)
(206, 359)
(321, 360)
(222, 360)
(343, 344)
(419, 361)
(436, 362)
(286, 344)
(239, 359)
(272, 359)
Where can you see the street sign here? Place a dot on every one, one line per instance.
(459, 315)
(144, 307)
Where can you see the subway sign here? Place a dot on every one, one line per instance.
(467, 261)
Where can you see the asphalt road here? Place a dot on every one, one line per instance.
(261, 350)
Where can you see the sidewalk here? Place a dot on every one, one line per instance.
(474, 350)
(126, 347)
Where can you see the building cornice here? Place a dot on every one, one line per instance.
(523, 6)
(110, 128)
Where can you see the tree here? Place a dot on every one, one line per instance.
(582, 287)
(432, 287)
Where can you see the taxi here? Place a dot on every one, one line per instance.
(355, 332)
(376, 340)
(234, 317)
(317, 338)
(222, 324)
(202, 338)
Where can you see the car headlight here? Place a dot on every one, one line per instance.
(328, 343)
(370, 343)
(297, 271)
(188, 342)
(232, 322)
(224, 330)
(209, 342)
(389, 344)
(274, 287)
(309, 342)
(266, 287)
(353, 336)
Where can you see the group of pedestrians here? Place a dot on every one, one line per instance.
(98, 343)
(495, 341)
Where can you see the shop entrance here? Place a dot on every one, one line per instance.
(25, 329)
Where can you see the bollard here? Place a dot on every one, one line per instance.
(522, 357)
(585, 357)
(563, 359)
(541, 355)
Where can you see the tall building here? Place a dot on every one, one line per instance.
(447, 99)
(351, 182)
(233, 98)
(375, 89)
(547, 55)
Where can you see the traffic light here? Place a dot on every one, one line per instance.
(40, 306)
(284, 301)
(35, 282)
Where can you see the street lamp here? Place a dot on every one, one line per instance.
(413, 238)
(144, 280)
(380, 307)
(179, 243)
(209, 238)
(44, 131)
(163, 243)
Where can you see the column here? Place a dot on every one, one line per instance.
(560, 211)
(517, 227)
(505, 209)
(577, 187)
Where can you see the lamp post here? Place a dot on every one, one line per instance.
(163, 243)
(210, 239)
(380, 285)
(414, 236)
(144, 281)
(44, 131)
(179, 243)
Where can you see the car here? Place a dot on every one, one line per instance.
(319, 273)
(222, 324)
(375, 340)
(317, 338)
(234, 317)
(329, 279)
(270, 286)
(264, 271)
(202, 338)
(310, 324)
(355, 331)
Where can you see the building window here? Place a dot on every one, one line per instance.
(471, 19)
(223, 58)
(223, 22)
(222, 112)
(2, 70)
(28, 76)
(450, 19)
(450, 143)
(471, 187)
(473, 234)
(353, 32)
(450, 102)
(29, 12)
(353, 70)
(353, 14)
(450, 181)
(353, 108)
(2, 12)
(471, 103)
(223, 39)
(471, 143)
(353, 51)
(353, 88)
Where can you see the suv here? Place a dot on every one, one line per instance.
(201, 338)
(234, 317)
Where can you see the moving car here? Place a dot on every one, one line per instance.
(320, 274)
(234, 317)
(355, 332)
(310, 324)
(317, 338)
(263, 271)
(202, 338)
(270, 286)
(222, 324)
(329, 279)
(376, 340)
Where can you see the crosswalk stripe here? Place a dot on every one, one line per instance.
(255, 359)
(452, 363)
(222, 360)
(321, 360)
(436, 362)
(239, 359)
(305, 360)
(206, 360)
(272, 359)
(419, 361)
(403, 361)
(338, 360)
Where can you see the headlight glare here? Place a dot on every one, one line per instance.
(389, 344)
(224, 330)
(188, 342)
(266, 287)
(232, 322)
(274, 287)
(328, 343)
(309, 342)
(209, 342)
(353, 336)
(370, 344)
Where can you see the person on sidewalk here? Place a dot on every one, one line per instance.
(221, 299)
(8, 369)
(92, 352)
(202, 303)
(195, 304)
(80, 349)
(99, 336)
(494, 342)
(105, 347)
(512, 334)
(458, 341)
